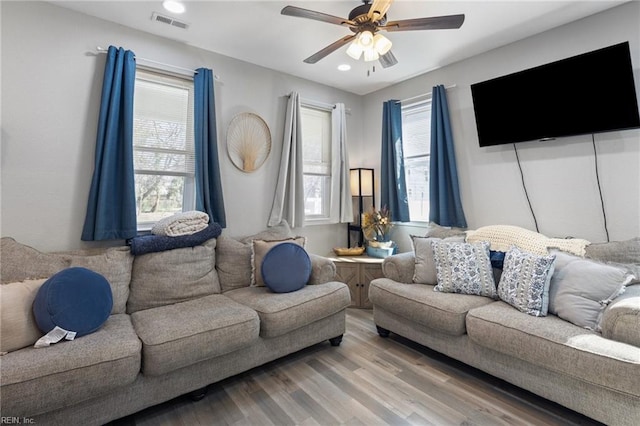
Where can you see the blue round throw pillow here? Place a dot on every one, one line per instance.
(75, 299)
(286, 268)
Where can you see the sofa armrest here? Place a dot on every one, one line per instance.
(323, 269)
(621, 319)
(399, 267)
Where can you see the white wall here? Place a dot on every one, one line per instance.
(559, 175)
(50, 96)
(51, 83)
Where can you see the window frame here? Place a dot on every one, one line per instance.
(416, 108)
(324, 218)
(153, 75)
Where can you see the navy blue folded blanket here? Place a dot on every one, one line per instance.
(154, 243)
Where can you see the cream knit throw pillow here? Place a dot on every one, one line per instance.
(502, 237)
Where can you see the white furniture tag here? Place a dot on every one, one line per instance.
(54, 336)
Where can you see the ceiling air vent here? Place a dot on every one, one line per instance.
(156, 17)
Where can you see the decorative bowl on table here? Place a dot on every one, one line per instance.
(381, 244)
(381, 250)
(354, 251)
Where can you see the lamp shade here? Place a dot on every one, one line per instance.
(362, 182)
(370, 55)
(354, 50)
(381, 44)
(366, 39)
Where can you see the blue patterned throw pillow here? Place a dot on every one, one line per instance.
(525, 281)
(464, 268)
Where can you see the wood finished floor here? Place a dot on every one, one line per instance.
(367, 380)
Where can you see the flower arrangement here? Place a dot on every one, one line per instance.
(376, 224)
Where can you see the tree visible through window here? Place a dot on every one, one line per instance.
(163, 148)
(416, 144)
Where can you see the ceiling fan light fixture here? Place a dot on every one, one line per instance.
(370, 55)
(354, 50)
(366, 39)
(381, 44)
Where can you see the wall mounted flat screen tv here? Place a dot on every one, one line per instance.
(590, 93)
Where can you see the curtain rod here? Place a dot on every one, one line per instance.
(216, 77)
(318, 104)
(424, 95)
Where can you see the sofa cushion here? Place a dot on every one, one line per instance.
(464, 268)
(173, 276)
(259, 249)
(524, 283)
(233, 263)
(627, 251)
(552, 343)
(281, 313)
(233, 256)
(71, 371)
(436, 231)
(18, 328)
(444, 312)
(114, 264)
(621, 318)
(285, 268)
(581, 289)
(76, 299)
(185, 333)
(21, 262)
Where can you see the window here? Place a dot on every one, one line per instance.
(163, 148)
(416, 144)
(316, 143)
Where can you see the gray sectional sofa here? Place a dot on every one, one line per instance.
(181, 320)
(597, 374)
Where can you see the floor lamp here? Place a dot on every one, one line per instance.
(363, 198)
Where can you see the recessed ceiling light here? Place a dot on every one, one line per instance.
(344, 67)
(173, 6)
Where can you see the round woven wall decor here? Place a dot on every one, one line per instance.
(248, 141)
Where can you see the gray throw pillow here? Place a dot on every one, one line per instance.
(425, 266)
(464, 268)
(525, 279)
(581, 289)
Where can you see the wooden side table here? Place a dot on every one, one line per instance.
(357, 272)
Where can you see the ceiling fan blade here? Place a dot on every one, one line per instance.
(378, 9)
(433, 23)
(329, 49)
(317, 16)
(388, 60)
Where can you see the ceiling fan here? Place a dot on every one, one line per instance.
(365, 21)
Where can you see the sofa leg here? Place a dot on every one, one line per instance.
(383, 332)
(198, 394)
(335, 341)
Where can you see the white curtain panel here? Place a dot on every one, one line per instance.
(341, 204)
(288, 201)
